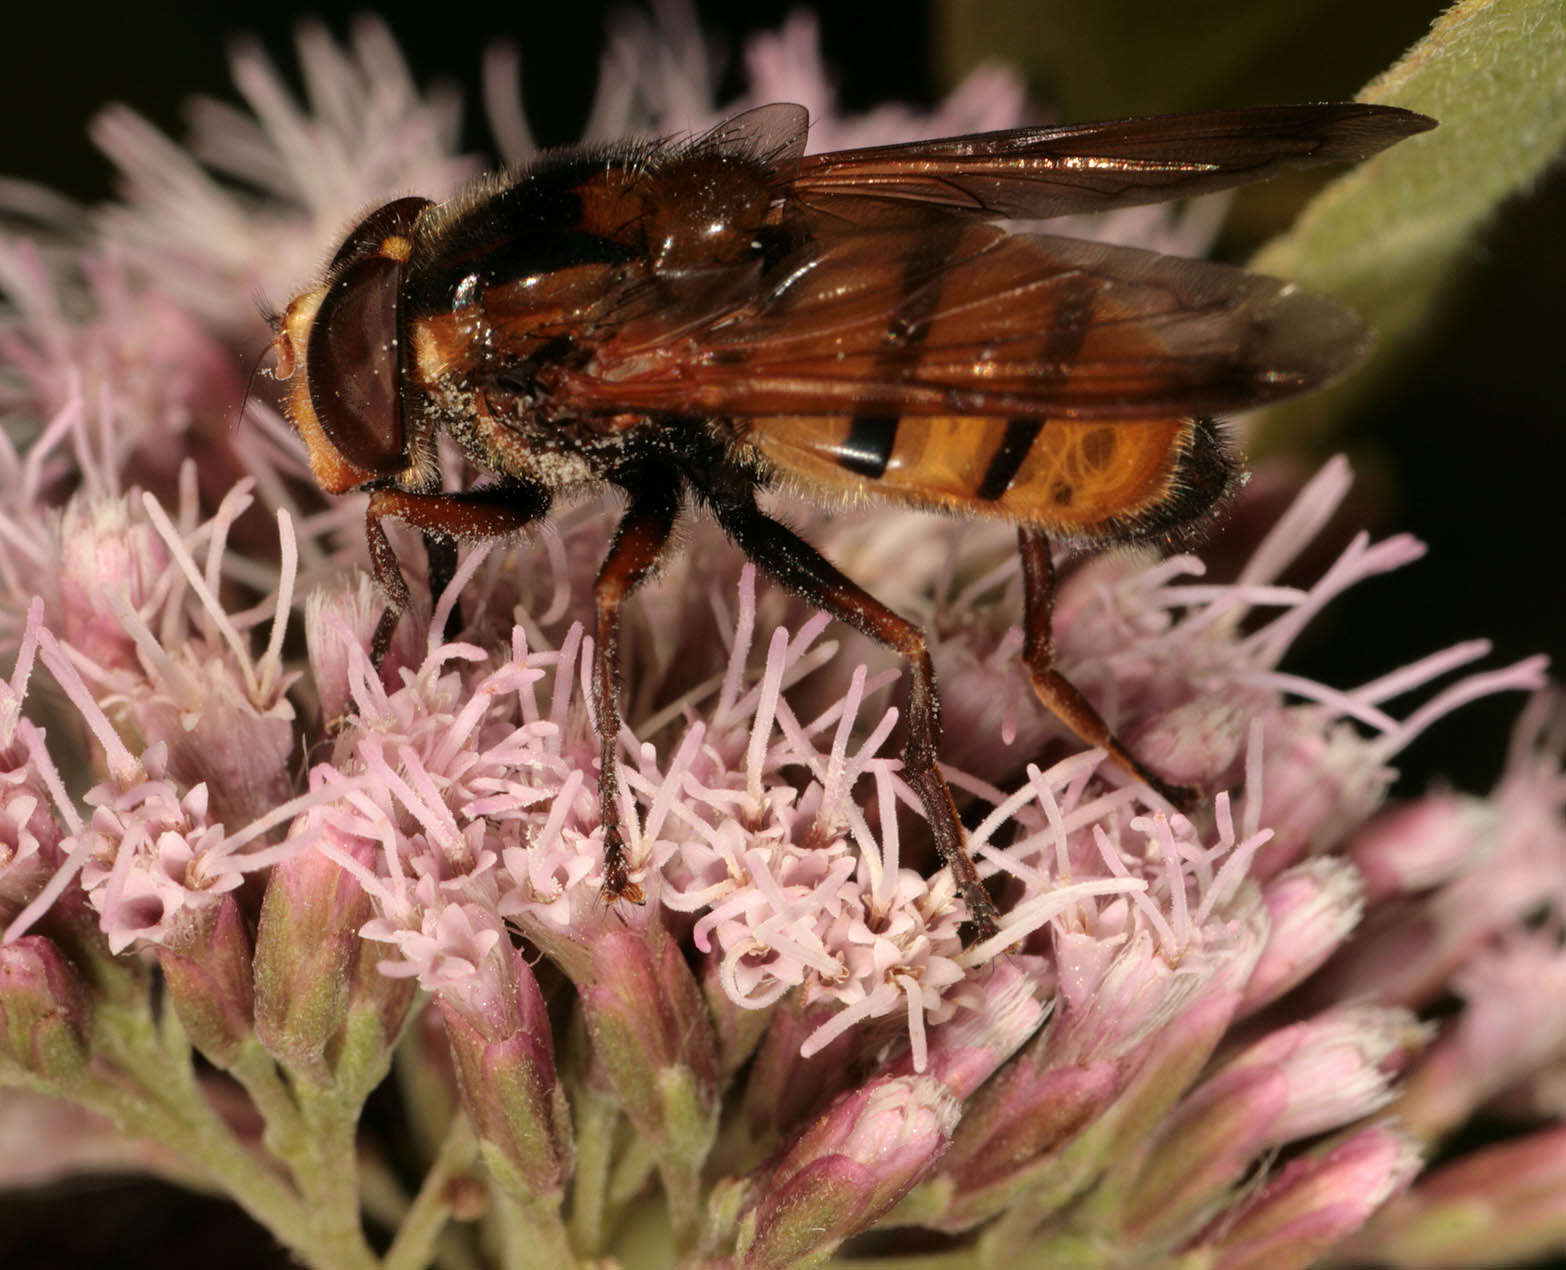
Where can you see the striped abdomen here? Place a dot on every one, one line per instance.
(1096, 480)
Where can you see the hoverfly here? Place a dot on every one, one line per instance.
(692, 321)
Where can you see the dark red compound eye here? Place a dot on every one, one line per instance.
(353, 361)
(354, 352)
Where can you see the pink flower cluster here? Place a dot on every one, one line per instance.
(1201, 1036)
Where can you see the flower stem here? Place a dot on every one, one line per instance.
(682, 1190)
(631, 1171)
(534, 1237)
(327, 1168)
(414, 1245)
(156, 1095)
(596, 1120)
(256, 1071)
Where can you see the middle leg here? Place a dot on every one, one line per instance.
(804, 570)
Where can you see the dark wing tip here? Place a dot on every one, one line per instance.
(1302, 341)
(1362, 129)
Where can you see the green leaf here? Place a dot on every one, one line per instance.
(1388, 238)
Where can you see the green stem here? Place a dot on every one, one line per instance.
(195, 1133)
(256, 1071)
(414, 1245)
(159, 1097)
(682, 1192)
(328, 1171)
(532, 1234)
(631, 1171)
(596, 1121)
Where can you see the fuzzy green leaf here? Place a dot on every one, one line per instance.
(1388, 237)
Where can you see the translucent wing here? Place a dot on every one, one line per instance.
(1055, 171)
(957, 317)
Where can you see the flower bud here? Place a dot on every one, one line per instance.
(206, 965)
(783, 1087)
(242, 750)
(1422, 844)
(103, 552)
(504, 1055)
(1311, 909)
(1319, 780)
(966, 1050)
(1314, 1202)
(1513, 1022)
(650, 1030)
(1501, 1205)
(846, 1170)
(1294, 1083)
(307, 945)
(337, 617)
(1010, 1135)
(1198, 740)
(43, 1010)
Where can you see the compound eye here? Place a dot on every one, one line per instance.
(353, 360)
(393, 220)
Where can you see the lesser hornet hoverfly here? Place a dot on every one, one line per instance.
(692, 321)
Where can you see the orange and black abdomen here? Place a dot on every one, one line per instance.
(1089, 480)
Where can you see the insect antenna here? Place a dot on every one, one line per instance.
(256, 368)
(274, 322)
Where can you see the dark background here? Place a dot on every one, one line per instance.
(1462, 446)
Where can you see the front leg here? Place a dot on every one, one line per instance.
(800, 567)
(441, 555)
(469, 516)
(638, 544)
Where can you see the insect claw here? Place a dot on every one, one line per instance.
(1185, 799)
(380, 644)
(983, 920)
(617, 877)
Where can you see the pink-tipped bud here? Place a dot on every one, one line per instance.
(1422, 844)
(1503, 1205)
(504, 1055)
(1312, 908)
(965, 1051)
(308, 949)
(783, 1086)
(104, 553)
(207, 967)
(1318, 782)
(339, 624)
(650, 1030)
(1338, 1066)
(1512, 1024)
(1294, 1083)
(846, 1170)
(1011, 1132)
(1198, 741)
(43, 1010)
(1314, 1203)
